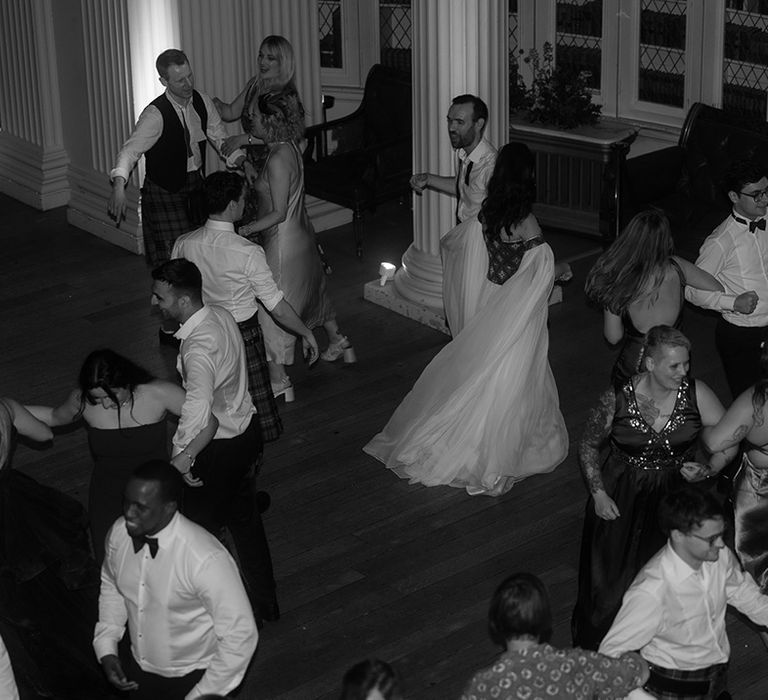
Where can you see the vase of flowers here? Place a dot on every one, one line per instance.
(559, 95)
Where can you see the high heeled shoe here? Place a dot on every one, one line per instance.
(341, 347)
(283, 388)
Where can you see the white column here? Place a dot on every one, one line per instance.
(107, 116)
(33, 161)
(459, 46)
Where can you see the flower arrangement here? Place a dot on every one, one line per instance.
(558, 95)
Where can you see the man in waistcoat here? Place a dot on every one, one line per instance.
(171, 133)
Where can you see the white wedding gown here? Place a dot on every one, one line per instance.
(485, 412)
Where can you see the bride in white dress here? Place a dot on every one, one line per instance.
(485, 412)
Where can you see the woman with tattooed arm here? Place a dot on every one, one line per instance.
(652, 425)
(746, 423)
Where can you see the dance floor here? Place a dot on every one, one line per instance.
(366, 564)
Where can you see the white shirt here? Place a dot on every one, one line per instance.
(739, 260)
(675, 615)
(8, 689)
(149, 128)
(471, 196)
(235, 271)
(212, 366)
(186, 609)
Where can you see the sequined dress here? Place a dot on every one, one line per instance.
(485, 413)
(641, 467)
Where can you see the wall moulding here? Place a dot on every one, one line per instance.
(36, 175)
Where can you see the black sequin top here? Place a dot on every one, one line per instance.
(504, 258)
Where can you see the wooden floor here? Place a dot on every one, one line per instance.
(366, 564)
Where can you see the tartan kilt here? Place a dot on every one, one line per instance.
(259, 384)
(662, 681)
(166, 215)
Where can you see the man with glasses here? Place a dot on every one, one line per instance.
(674, 611)
(736, 253)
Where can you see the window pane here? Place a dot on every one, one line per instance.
(745, 62)
(579, 31)
(330, 33)
(395, 33)
(662, 52)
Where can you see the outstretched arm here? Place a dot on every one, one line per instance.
(26, 423)
(698, 278)
(64, 414)
(439, 183)
(230, 111)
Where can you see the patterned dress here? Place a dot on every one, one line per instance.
(542, 672)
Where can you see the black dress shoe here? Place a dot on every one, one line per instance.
(262, 501)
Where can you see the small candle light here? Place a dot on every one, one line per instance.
(386, 272)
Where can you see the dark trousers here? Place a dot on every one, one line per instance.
(152, 686)
(739, 350)
(226, 500)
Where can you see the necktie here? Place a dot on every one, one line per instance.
(753, 225)
(139, 542)
(467, 170)
(186, 135)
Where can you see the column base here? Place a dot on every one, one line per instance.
(388, 297)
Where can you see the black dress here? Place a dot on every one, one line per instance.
(642, 466)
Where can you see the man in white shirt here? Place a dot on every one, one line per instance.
(475, 158)
(237, 278)
(674, 611)
(171, 134)
(736, 253)
(178, 590)
(212, 366)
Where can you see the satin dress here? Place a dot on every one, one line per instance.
(750, 510)
(293, 258)
(642, 466)
(485, 412)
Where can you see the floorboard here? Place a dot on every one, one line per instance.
(367, 565)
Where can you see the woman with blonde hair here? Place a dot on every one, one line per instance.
(640, 283)
(276, 74)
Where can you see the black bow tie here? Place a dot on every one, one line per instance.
(151, 542)
(753, 225)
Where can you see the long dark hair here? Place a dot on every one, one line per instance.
(511, 190)
(107, 370)
(634, 265)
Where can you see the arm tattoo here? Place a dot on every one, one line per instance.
(598, 428)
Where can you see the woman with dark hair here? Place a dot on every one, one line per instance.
(745, 423)
(520, 622)
(124, 410)
(652, 425)
(485, 412)
(501, 231)
(371, 680)
(640, 283)
(288, 239)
